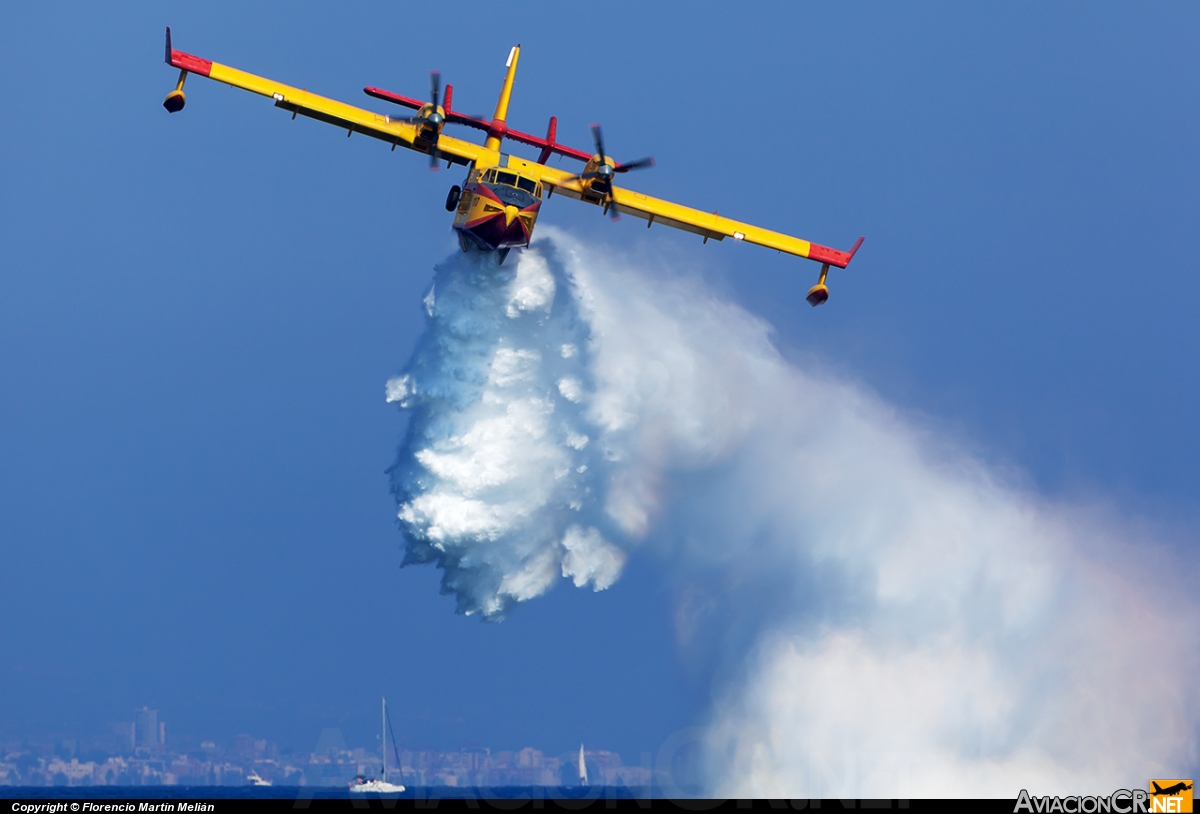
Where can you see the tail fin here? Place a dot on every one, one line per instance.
(501, 114)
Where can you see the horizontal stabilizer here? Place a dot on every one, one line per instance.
(395, 98)
(547, 145)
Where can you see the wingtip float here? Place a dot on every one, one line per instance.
(497, 205)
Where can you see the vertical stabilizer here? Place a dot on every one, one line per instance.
(501, 114)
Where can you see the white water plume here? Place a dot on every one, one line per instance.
(883, 615)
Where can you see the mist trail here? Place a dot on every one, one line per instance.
(884, 616)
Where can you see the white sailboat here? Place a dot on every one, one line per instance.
(583, 778)
(362, 784)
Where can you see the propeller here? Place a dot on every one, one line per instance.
(606, 171)
(433, 118)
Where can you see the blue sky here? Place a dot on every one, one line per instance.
(198, 313)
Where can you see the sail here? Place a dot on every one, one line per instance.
(363, 784)
(583, 778)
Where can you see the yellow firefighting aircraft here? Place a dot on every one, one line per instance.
(498, 204)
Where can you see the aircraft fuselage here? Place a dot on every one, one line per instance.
(497, 210)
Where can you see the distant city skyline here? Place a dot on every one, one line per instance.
(143, 756)
(148, 731)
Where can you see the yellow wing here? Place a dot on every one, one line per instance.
(354, 119)
(707, 224)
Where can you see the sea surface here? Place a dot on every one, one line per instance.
(429, 793)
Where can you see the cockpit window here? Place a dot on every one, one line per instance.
(511, 179)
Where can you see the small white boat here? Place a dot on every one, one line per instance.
(253, 779)
(363, 785)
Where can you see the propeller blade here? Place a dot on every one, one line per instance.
(587, 176)
(613, 211)
(435, 87)
(648, 161)
(599, 139)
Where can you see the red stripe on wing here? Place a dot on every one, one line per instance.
(191, 63)
(834, 257)
(387, 95)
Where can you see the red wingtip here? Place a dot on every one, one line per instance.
(187, 62)
(834, 257)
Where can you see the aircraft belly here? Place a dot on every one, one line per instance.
(491, 227)
(492, 231)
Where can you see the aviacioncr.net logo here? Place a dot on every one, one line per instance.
(1165, 796)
